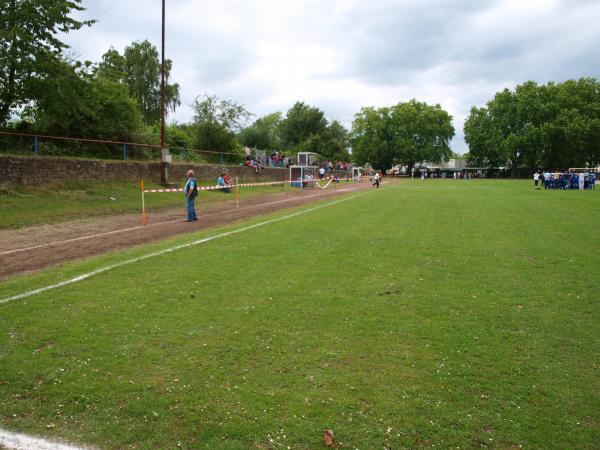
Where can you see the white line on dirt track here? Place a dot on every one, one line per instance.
(139, 227)
(80, 238)
(16, 441)
(87, 275)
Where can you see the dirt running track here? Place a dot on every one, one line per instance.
(36, 248)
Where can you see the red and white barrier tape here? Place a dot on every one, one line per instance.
(215, 188)
(265, 183)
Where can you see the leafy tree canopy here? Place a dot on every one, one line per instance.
(263, 133)
(553, 125)
(301, 125)
(139, 69)
(405, 133)
(75, 102)
(305, 129)
(335, 142)
(29, 45)
(216, 122)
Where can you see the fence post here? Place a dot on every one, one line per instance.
(36, 146)
(144, 221)
(124, 151)
(221, 158)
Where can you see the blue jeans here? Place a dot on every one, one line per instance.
(190, 209)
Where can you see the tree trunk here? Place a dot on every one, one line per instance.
(8, 97)
(4, 109)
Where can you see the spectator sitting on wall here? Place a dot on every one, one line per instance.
(228, 181)
(258, 167)
(251, 162)
(224, 187)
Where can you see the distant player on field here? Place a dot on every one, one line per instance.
(376, 180)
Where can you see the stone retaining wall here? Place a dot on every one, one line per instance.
(28, 170)
(31, 170)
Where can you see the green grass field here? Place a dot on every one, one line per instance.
(454, 314)
(22, 206)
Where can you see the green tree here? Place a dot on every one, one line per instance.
(335, 142)
(139, 69)
(405, 133)
(372, 138)
(217, 122)
(75, 102)
(302, 128)
(113, 66)
(483, 139)
(263, 133)
(422, 132)
(554, 126)
(305, 129)
(502, 132)
(29, 45)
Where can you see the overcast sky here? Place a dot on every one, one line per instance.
(341, 55)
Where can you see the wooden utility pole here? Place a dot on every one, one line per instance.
(165, 158)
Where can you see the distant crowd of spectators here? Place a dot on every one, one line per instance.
(278, 159)
(340, 165)
(580, 180)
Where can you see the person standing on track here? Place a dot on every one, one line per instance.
(191, 192)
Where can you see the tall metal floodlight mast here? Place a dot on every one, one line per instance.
(164, 151)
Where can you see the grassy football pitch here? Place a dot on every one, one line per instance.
(454, 314)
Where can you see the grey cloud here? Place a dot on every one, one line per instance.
(388, 41)
(393, 44)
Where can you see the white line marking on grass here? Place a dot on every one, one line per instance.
(123, 230)
(16, 441)
(87, 275)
